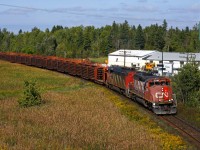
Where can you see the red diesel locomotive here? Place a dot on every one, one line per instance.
(152, 91)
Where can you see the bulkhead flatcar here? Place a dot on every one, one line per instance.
(152, 91)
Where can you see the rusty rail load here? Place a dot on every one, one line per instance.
(76, 67)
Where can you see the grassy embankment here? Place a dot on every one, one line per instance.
(77, 114)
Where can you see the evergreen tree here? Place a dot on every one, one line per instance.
(124, 35)
(159, 41)
(139, 38)
(106, 42)
(56, 28)
(31, 97)
(20, 31)
(115, 35)
(164, 26)
(131, 42)
(87, 41)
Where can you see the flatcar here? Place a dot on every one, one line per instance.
(152, 91)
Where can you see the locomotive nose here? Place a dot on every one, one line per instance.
(165, 92)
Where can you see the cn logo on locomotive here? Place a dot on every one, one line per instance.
(161, 94)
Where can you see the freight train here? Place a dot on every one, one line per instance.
(154, 92)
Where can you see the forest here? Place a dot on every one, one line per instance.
(89, 41)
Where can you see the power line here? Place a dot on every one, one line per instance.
(31, 8)
(93, 15)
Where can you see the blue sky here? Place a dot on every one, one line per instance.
(26, 14)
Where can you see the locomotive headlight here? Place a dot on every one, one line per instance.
(154, 104)
(162, 90)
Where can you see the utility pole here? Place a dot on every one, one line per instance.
(124, 58)
(199, 31)
(118, 43)
(162, 63)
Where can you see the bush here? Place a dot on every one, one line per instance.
(194, 99)
(187, 85)
(31, 95)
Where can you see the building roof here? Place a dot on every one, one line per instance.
(173, 56)
(156, 55)
(132, 53)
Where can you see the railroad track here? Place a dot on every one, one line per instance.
(184, 128)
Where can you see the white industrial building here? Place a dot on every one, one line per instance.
(171, 60)
(129, 58)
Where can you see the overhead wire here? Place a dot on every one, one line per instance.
(93, 15)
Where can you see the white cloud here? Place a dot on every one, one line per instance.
(141, 8)
(195, 8)
(74, 9)
(142, 1)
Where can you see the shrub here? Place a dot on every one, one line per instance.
(31, 95)
(194, 99)
(187, 84)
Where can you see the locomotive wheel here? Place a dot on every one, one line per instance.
(133, 98)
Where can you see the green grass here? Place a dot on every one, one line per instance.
(185, 112)
(13, 77)
(77, 115)
(99, 60)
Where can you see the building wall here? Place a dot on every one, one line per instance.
(172, 66)
(129, 61)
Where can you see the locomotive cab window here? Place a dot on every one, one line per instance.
(157, 83)
(163, 83)
(151, 84)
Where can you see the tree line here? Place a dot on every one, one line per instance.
(81, 42)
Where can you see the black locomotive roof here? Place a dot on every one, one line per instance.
(143, 76)
(140, 75)
(120, 70)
